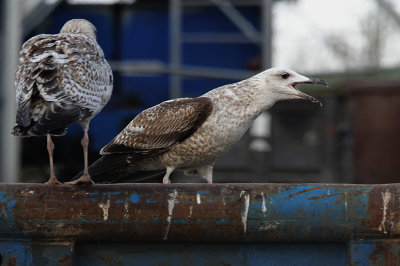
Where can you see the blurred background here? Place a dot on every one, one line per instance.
(183, 48)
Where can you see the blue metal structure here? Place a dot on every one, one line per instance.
(199, 224)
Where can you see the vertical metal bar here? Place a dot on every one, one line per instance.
(175, 17)
(12, 41)
(266, 28)
(266, 50)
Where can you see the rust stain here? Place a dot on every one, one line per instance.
(65, 260)
(385, 255)
(12, 261)
(383, 213)
(342, 194)
(301, 192)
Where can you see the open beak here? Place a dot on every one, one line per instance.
(306, 96)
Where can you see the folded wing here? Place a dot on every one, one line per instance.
(157, 129)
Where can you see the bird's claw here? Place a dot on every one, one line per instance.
(83, 180)
(53, 181)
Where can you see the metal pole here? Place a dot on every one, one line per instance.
(12, 41)
(266, 48)
(175, 17)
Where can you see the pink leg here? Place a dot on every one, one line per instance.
(85, 179)
(50, 148)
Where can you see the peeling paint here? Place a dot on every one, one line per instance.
(198, 198)
(268, 226)
(385, 198)
(190, 210)
(263, 207)
(171, 206)
(126, 210)
(105, 208)
(245, 210)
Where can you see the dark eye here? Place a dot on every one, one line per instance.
(285, 75)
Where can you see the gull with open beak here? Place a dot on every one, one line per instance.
(189, 134)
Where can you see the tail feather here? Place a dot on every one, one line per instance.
(113, 168)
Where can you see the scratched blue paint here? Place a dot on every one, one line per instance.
(92, 221)
(7, 204)
(221, 221)
(20, 251)
(320, 203)
(180, 221)
(210, 200)
(151, 201)
(92, 193)
(361, 252)
(134, 198)
(111, 193)
(118, 201)
(202, 192)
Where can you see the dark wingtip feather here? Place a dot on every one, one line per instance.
(20, 131)
(113, 168)
(57, 117)
(107, 169)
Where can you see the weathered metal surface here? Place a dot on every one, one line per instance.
(375, 252)
(62, 225)
(194, 212)
(221, 254)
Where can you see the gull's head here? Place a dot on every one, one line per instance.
(281, 83)
(79, 26)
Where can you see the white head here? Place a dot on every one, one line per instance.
(79, 26)
(281, 84)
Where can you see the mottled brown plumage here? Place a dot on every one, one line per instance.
(158, 128)
(61, 79)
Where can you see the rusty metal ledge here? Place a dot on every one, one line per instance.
(200, 212)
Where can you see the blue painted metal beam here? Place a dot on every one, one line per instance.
(200, 212)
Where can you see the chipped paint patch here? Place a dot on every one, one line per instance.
(267, 227)
(171, 206)
(190, 211)
(105, 208)
(126, 210)
(111, 193)
(385, 198)
(134, 198)
(198, 198)
(245, 210)
(263, 206)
